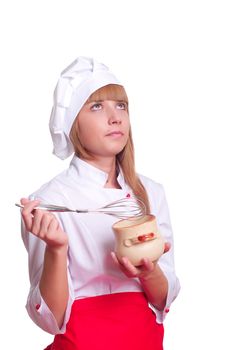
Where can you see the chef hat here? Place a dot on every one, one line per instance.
(75, 85)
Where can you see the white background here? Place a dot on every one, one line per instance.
(178, 60)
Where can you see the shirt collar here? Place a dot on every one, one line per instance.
(86, 172)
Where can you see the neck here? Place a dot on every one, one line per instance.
(108, 165)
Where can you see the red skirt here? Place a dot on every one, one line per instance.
(121, 321)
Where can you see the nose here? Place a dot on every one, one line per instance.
(113, 116)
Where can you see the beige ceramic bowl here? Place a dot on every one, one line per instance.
(137, 239)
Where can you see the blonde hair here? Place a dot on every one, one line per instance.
(125, 158)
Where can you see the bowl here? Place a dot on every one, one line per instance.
(137, 239)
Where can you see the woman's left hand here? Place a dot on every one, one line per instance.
(142, 271)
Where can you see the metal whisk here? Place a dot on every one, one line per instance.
(124, 208)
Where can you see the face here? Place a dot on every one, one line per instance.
(104, 127)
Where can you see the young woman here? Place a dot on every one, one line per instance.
(79, 291)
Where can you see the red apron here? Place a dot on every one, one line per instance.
(121, 321)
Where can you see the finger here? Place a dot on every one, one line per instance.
(148, 264)
(26, 212)
(24, 201)
(128, 266)
(50, 233)
(53, 228)
(115, 259)
(45, 222)
(167, 247)
(37, 221)
(53, 225)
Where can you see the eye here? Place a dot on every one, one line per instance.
(122, 105)
(96, 106)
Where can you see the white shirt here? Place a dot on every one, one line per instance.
(91, 270)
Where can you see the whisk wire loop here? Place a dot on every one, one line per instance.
(124, 208)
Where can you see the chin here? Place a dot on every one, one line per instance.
(116, 151)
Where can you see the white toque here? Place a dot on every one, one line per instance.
(75, 85)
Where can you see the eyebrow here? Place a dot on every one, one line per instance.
(95, 101)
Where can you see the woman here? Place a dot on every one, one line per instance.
(79, 291)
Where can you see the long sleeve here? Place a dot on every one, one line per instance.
(160, 209)
(36, 306)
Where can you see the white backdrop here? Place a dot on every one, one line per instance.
(178, 60)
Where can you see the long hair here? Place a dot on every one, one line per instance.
(126, 158)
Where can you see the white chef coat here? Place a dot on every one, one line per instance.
(91, 270)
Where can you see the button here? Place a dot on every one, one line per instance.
(37, 306)
(128, 195)
(166, 310)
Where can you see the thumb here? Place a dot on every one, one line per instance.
(24, 201)
(167, 247)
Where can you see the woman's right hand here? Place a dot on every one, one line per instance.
(43, 224)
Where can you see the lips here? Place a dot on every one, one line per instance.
(115, 133)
